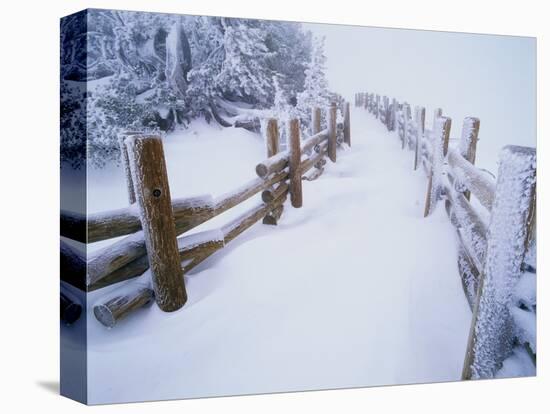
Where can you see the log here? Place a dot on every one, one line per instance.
(440, 147)
(132, 247)
(189, 247)
(347, 125)
(150, 176)
(72, 266)
(69, 307)
(468, 142)
(272, 137)
(420, 125)
(278, 162)
(126, 164)
(492, 336)
(477, 181)
(316, 120)
(272, 193)
(316, 158)
(294, 170)
(313, 174)
(238, 225)
(272, 218)
(131, 299)
(332, 132)
(120, 306)
(73, 225)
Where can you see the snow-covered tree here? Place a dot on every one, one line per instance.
(315, 93)
(155, 71)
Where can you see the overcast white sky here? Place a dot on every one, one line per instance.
(490, 77)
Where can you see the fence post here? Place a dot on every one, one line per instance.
(393, 114)
(367, 99)
(331, 150)
(294, 171)
(272, 137)
(347, 125)
(148, 168)
(377, 108)
(491, 333)
(420, 125)
(468, 142)
(440, 146)
(126, 164)
(316, 120)
(438, 112)
(405, 125)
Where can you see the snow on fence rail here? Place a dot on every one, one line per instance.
(496, 257)
(155, 224)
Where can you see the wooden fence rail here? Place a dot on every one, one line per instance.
(155, 225)
(496, 235)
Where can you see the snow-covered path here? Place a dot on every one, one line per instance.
(354, 289)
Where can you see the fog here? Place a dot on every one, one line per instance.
(487, 76)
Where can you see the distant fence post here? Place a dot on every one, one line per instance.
(438, 112)
(405, 125)
(331, 150)
(148, 167)
(273, 148)
(272, 137)
(420, 125)
(440, 145)
(126, 164)
(294, 170)
(491, 335)
(377, 106)
(316, 120)
(468, 142)
(347, 125)
(393, 114)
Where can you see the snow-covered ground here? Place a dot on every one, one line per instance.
(354, 289)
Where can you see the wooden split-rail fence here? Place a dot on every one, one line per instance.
(156, 225)
(496, 231)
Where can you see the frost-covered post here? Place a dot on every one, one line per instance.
(468, 142)
(393, 114)
(439, 151)
(272, 137)
(294, 170)
(438, 112)
(491, 333)
(347, 125)
(331, 150)
(405, 125)
(150, 177)
(377, 106)
(420, 114)
(367, 99)
(316, 120)
(126, 164)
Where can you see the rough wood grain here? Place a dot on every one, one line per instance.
(147, 163)
(294, 170)
(347, 125)
(272, 137)
(332, 132)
